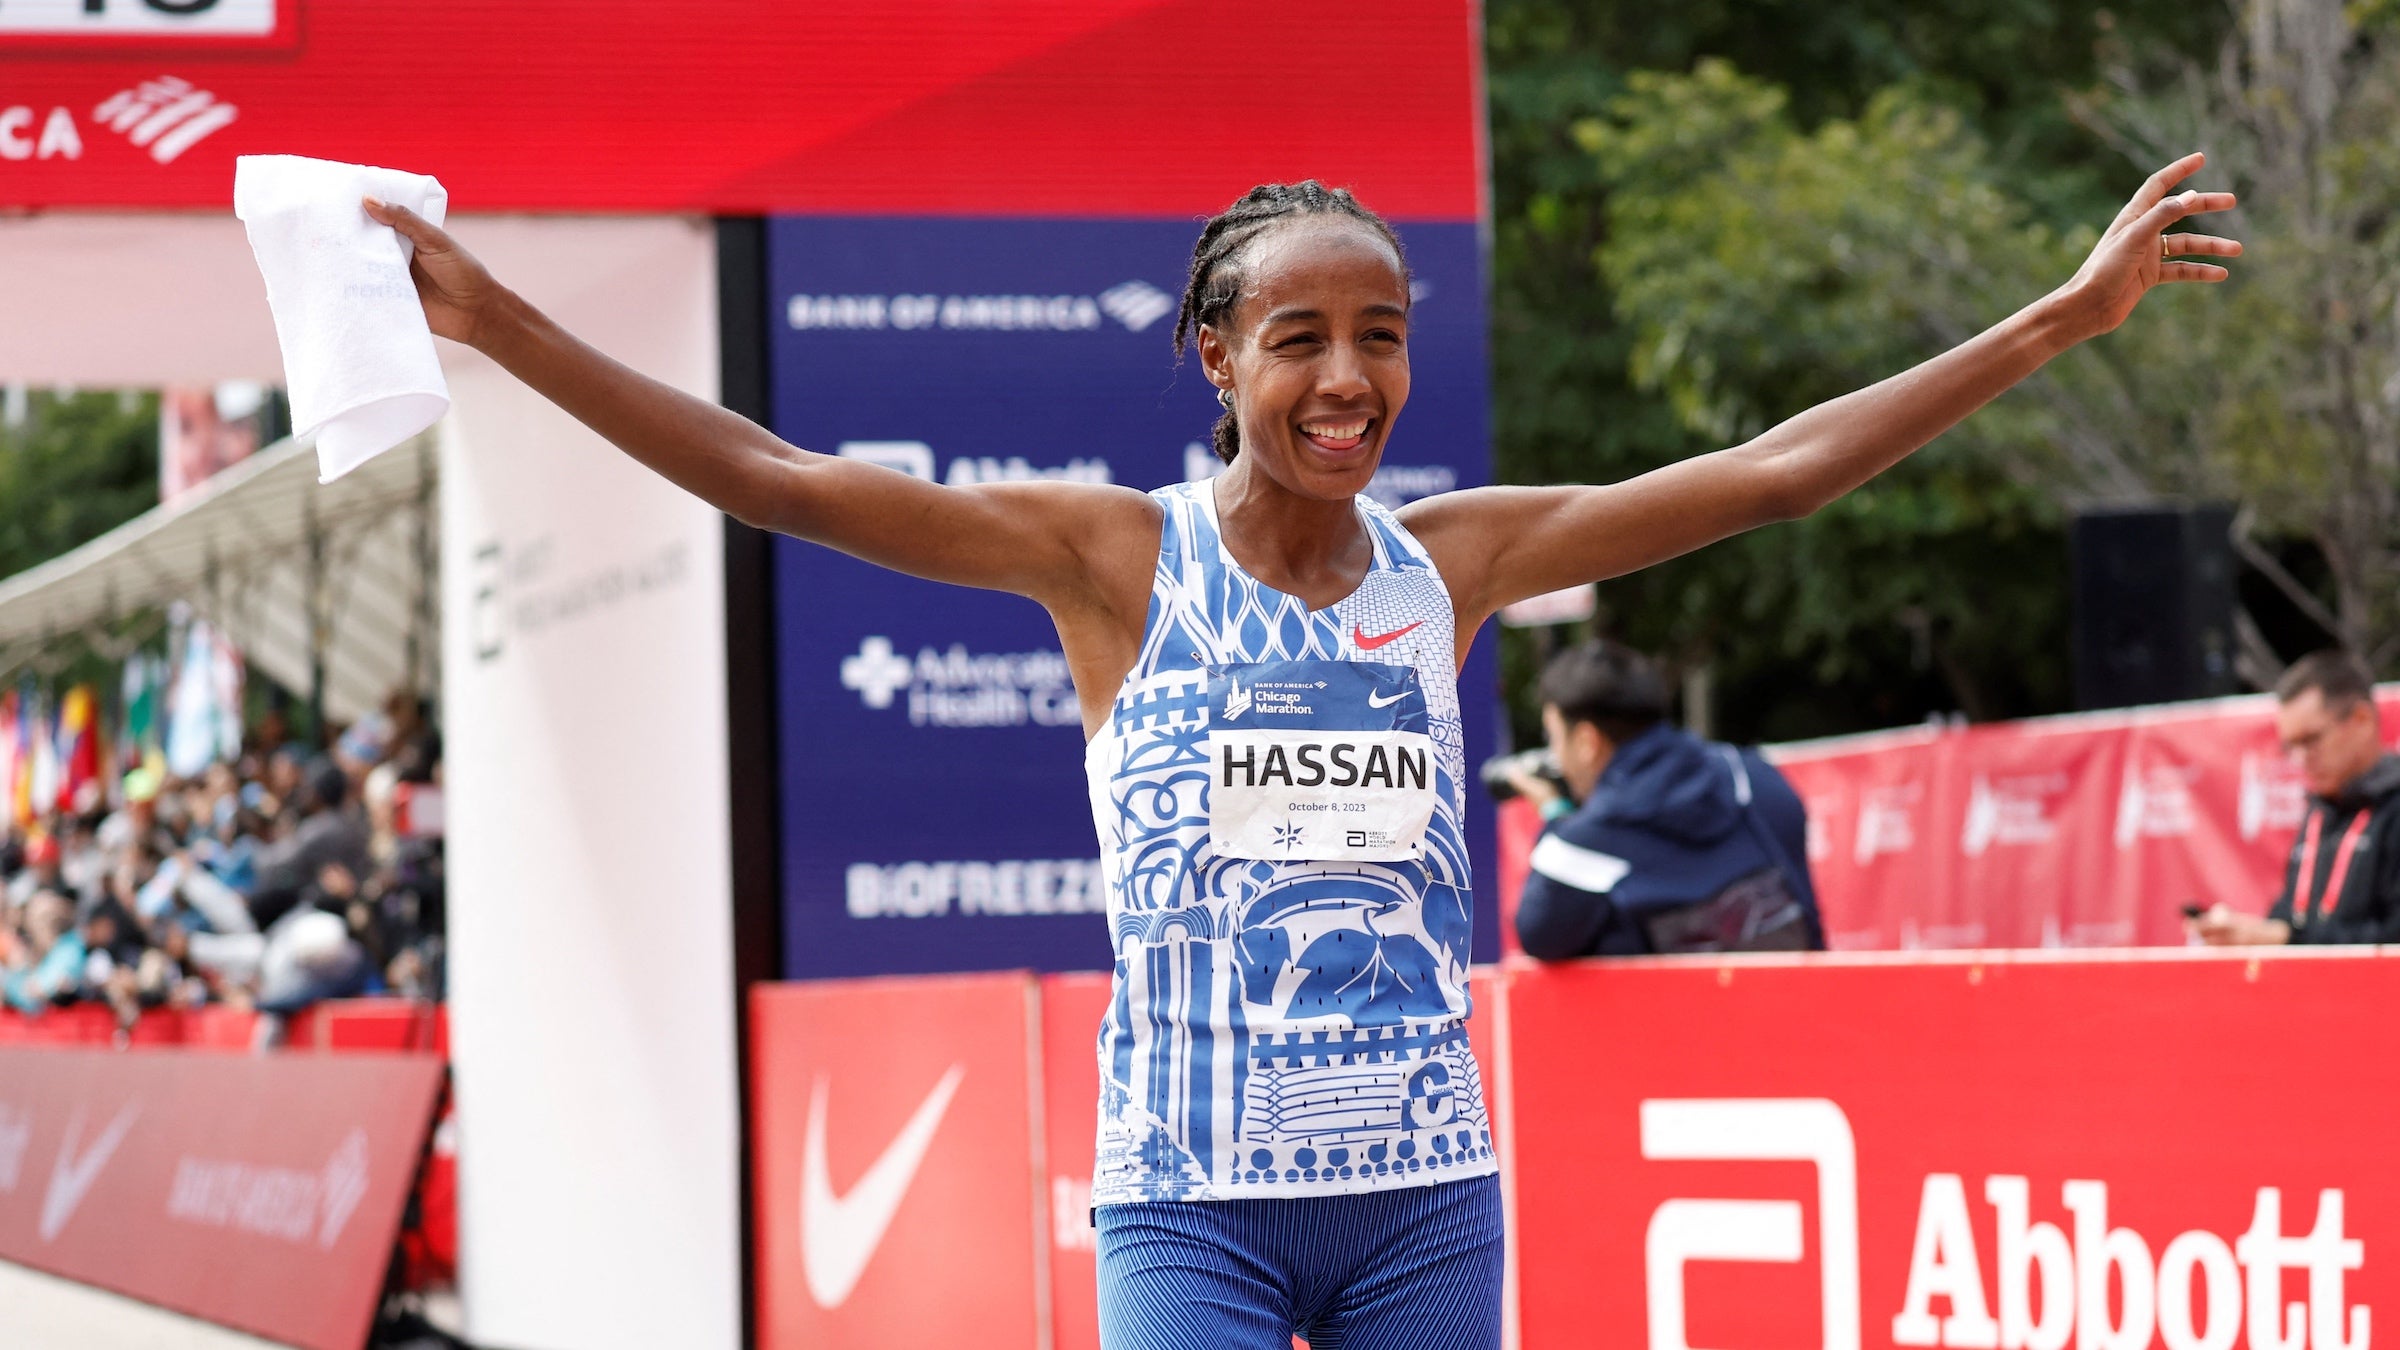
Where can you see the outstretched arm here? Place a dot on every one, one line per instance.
(1035, 539)
(1498, 545)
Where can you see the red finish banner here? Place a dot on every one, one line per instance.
(2035, 1153)
(897, 1188)
(1001, 107)
(259, 1193)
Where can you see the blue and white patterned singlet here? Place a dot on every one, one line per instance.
(1278, 1028)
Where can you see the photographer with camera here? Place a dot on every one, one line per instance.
(1660, 842)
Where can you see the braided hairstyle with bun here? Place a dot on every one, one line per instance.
(1216, 280)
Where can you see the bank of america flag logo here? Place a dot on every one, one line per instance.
(1135, 304)
(165, 116)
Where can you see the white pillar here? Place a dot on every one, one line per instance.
(583, 657)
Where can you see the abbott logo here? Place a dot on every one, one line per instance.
(1800, 1129)
(2199, 1292)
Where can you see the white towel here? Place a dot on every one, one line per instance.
(358, 360)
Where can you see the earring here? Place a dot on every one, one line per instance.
(1225, 399)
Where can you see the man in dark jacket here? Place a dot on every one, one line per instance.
(2342, 881)
(1678, 844)
(327, 835)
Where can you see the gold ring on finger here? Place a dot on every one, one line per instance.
(2165, 249)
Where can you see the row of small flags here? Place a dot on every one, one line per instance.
(177, 719)
(50, 754)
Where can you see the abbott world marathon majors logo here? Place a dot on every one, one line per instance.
(958, 688)
(2071, 1279)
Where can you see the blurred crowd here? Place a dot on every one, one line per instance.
(285, 877)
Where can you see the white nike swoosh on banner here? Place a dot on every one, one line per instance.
(839, 1233)
(71, 1176)
(1374, 702)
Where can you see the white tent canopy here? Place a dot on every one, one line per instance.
(248, 550)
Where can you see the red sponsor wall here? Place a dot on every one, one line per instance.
(259, 1193)
(1766, 1153)
(1784, 1139)
(2091, 830)
(897, 1175)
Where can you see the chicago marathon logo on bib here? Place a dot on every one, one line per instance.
(1326, 761)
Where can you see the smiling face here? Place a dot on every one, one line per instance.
(1316, 353)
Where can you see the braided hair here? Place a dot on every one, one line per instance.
(1216, 280)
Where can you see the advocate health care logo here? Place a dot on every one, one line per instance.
(958, 688)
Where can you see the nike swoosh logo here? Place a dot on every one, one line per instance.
(71, 1176)
(1374, 702)
(1368, 644)
(839, 1233)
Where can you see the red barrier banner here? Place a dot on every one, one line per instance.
(260, 1193)
(2206, 812)
(1519, 827)
(2018, 810)
(897, 1192)
(2092, 830)
(1003, 107)
(2190, 1151)
(345, 1024)
(1874, 833)
(1072, 1006)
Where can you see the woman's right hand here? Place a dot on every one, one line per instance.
(455, 289)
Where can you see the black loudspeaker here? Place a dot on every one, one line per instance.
(2154, 605)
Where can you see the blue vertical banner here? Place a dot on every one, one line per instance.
(934, 810)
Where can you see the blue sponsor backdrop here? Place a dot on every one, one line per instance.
(935, 816)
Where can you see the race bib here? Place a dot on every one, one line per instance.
(1328, 761)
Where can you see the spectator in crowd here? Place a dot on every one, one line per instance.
(52, 965)
(2342, 881)
(40, 871)
(263, 883)
(327, 835)
(1663, 842)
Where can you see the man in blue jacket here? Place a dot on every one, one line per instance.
(1663, 842)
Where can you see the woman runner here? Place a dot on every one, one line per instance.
(1292, 1134)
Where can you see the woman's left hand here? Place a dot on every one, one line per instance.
(2137, 252)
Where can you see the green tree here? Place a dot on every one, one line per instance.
(1940, 588)
(2298, 415)
(75, 466)
(79, 465)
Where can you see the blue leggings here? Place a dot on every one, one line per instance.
(1414, 1268)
